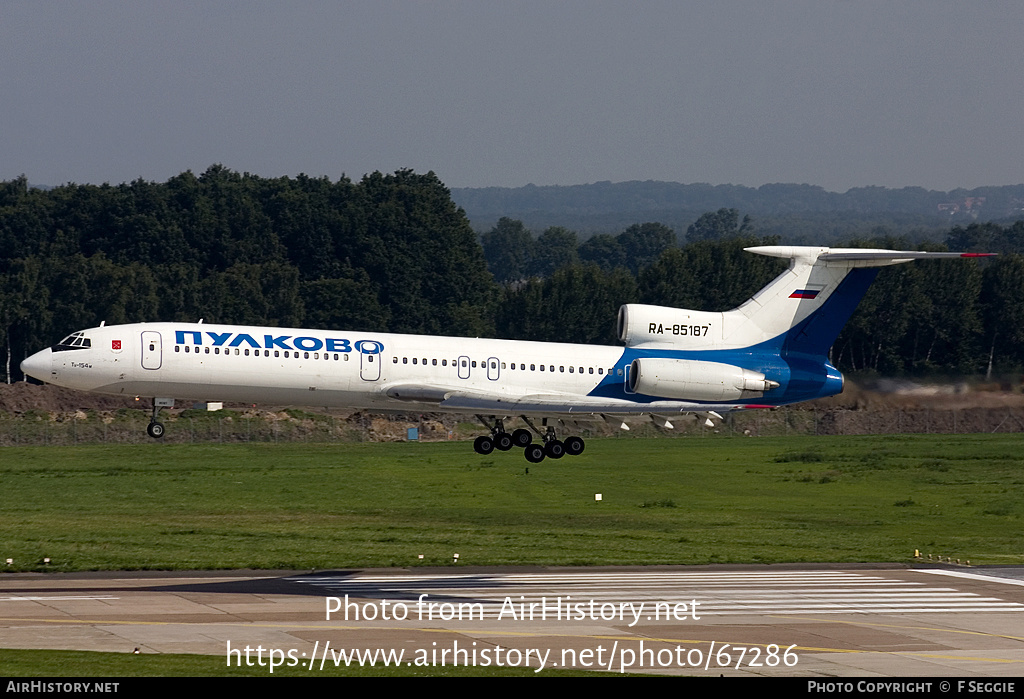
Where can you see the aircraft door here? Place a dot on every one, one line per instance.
(369, 359)
(493, 368)
(463, 367)
(152, 351)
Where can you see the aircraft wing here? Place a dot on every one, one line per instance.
(540, 403)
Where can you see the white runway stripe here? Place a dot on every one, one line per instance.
(56, 599)
(725, 593)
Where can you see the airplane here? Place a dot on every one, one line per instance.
(770, 351)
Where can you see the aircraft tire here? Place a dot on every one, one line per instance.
(534, 453)
(503, 441)
(554, 449)
(522, 438)
(155, 430)
(483, 445)
(574, 446)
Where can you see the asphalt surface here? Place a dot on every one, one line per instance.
(807, 621)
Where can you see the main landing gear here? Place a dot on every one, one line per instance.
(534, 453)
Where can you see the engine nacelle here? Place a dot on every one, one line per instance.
(689, 379)
(640, 323)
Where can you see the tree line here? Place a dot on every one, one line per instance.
(937, 317)
(394, 253)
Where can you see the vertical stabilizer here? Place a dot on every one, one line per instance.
(804, 308)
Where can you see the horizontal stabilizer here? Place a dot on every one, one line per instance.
(898, 255)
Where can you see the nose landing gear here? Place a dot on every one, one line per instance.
(155, 429)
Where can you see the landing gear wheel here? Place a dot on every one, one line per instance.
(155, 430)
(534, 453)
(483, 445)
(574, 446)
(554, 449)
(503, 441)
(522, 438)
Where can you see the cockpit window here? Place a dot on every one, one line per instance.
(72, 342)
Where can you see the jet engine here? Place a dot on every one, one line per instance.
(639, 323)
(688, 379)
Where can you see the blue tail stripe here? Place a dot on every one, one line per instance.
(816, 334)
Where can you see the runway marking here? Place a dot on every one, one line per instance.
(975, 576)
(916, 628)
(719, 594)
(478, 634)
(55, 599)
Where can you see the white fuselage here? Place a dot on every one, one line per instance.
(315, 367)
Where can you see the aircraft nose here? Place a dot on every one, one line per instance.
(39, 365)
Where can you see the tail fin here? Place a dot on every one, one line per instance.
(802, 310)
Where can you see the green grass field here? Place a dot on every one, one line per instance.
(665, 501)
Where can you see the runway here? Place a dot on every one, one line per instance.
(752, 620)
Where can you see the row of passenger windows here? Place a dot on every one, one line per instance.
(467, 363)
(266, 353)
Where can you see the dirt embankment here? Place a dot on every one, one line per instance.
(893, 407)
(22, 397)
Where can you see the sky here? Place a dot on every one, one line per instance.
(833, 93)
